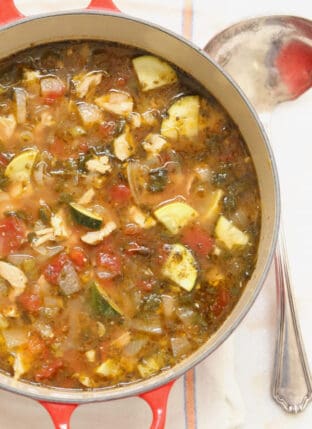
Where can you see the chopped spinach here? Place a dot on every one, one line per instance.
(150, 302)
(82, 160)
(158, 179)
(31, 236)
(20, 214)
(229, 203)
(4, 181)
(223, 175)
(44, 214)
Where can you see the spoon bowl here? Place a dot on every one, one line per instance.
(271, 60)
(269, 57)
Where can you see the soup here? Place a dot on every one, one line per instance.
(129, 215)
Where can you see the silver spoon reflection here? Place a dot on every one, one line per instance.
(271, 60)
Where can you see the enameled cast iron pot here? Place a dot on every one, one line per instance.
(102, 21)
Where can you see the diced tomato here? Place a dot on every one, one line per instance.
(53, 269)
(12, 235)
(49, 369)
(3, 160)
(294, 63)
(121, 82)
(57, 148)
(49, 100)
(120, 193)
(83, 147)
(36, 345)
(131, 229)
(221, 302)
(30, 301)
(108, 262)
(78, 257)
(107, 129)
(198, 240)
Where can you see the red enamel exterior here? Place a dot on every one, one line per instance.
(157, 399)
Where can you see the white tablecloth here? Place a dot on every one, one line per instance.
(232, 387)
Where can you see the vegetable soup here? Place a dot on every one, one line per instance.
(129, 215)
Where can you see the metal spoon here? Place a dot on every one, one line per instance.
(271, 60)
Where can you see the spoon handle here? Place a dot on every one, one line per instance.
(291, 383)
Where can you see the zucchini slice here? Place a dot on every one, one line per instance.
(182, 120)
(180, 267)
(229, 234)
(175, 216)
(101, 302)
(20, 168)
(85, 217)
(152, 72)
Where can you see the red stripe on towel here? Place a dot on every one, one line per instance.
(187, 23)
(190, 399)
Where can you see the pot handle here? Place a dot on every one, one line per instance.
(103, 4)
(157, 399)
(60, 413)
(10, 13)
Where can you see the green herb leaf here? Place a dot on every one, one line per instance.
(158, 180)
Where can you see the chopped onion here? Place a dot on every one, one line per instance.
(186, 315)
(53, 301)
(44, 330)
(68, 280)
(84, 82)
(136, 177)
(122, 341)
(89, 113)
(39, 172)
(7, 127)
(14, 276)
(168, 305)
(180, 346)
(15, 337)
(49, 251)
(134, 347)
(150, 325)
(18, 258)
(20, 98)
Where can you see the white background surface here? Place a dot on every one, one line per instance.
(247, 358)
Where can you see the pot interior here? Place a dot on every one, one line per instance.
(126, 30)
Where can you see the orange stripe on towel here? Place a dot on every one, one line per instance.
(190, 399)
(187, 29)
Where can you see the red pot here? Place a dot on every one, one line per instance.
(91, 24)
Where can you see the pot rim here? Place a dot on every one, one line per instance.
(75, 396)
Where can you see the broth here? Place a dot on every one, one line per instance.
(129, 215)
